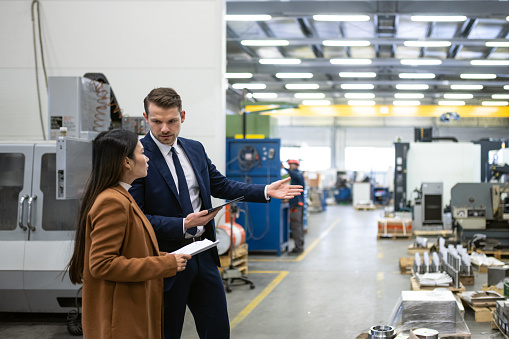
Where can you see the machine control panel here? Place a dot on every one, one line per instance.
(477, 213)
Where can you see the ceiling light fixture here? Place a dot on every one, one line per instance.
(359, 95)
(309, 95)
(262, 95)
(449, 18)
(238, 75)
(500, 96)
(357, 86)
(451, 103)
(458, 96)
(316, 102)
(302, 86)
(506, 87)
(265, 42)
(361, 102)
(477, 76)
(467, 87)
(346, 43)
(411, 87)
(420, 62)
(294, 75)
(495, 103)
(357, 74)
(417, 75)
(497, 43)
(350, 61)
(408, 95)
(406, 102)
(249, 86)
(248, 17)
(280, 61)
(426, 43)
(489, 62)
(322, 17)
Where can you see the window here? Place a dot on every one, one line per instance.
(312, 158)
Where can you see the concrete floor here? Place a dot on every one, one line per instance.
(343, 284)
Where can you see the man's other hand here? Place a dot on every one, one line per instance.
(281, 190)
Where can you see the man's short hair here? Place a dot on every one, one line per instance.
(163, 97)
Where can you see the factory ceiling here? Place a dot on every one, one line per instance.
(378, 52)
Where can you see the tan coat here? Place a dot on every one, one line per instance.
(122, 278)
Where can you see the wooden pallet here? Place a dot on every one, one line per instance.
(415, 286)
(498, 254)
(364, 207)
(483, 314)
(406, 264)
(485, 287)
(467, 280)
(438, 233)
(240, 258)
(412, 249)
(394, 236)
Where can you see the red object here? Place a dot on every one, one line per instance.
(293, 161)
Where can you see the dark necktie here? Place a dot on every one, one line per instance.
(185, 199)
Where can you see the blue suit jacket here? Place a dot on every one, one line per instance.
(157, 195)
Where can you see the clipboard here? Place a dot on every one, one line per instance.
(210, 210)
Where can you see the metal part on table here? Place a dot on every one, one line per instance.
(426, 333)
(426, 263)
(417, 264)
(436, 265)
(452, 266)
(497, 274)
(381, 332)
(421, 242)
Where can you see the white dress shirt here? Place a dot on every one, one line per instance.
(192, 183)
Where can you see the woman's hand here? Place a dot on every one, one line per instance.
(182, 261)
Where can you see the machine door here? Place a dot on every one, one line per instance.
(16, 162)
(15, 188)
(51, 219)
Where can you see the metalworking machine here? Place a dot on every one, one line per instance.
(40, 184)
(481, 208)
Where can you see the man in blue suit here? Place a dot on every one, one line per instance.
(175, 196)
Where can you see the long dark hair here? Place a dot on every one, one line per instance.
(109, 150)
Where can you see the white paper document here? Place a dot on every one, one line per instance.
(196, 247)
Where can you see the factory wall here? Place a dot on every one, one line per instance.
(138, 45)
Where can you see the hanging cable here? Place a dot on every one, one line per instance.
(36, 2)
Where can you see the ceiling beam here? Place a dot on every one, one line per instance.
(233, 37)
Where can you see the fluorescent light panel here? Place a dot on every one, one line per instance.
(467, 87)
(489, 62)
(265, 42)
(302, 86)
(350, 61)
(449, 18)
(420, 62)
(351, 43)
(294, 75)
(500, 96)
(238, 75)
(406, 102)
(316, 102)
(249, 86)
(477, 76)
(321, 17)
(357, 74)
(280, 61)
(506, 87)
(248, 17)
(411, 87)
(359, 95)
(309, 95)
(458, 96)
(361, 102)
(451, 103)
(497, 43)
(357, 86)
(424, 43)
(408, 95)
(417, 75)
(495, 103)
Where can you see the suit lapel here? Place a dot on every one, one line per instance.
(192, 159)
(157, 159)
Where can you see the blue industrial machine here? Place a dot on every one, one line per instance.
(257, 161)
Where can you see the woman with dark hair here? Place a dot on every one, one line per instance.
(116, 255)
